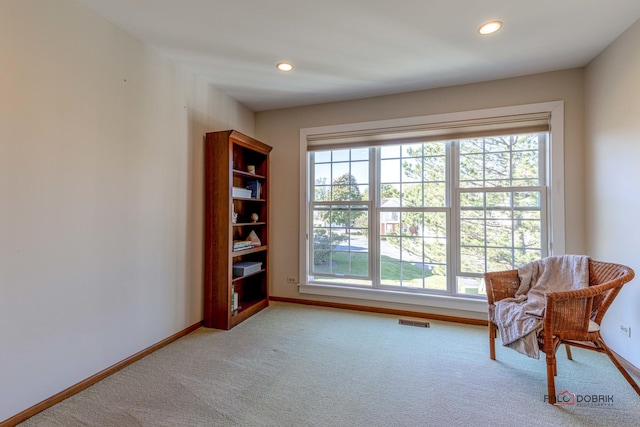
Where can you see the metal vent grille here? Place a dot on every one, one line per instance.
(419, 323)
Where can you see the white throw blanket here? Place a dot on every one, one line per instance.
(519, 319)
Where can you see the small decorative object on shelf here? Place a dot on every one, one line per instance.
(254, 239)
(234, 215)
(236, 245)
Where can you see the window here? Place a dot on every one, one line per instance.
(426, 209)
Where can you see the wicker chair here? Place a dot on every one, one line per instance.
(571, 317)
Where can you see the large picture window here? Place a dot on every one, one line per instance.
(428, 210)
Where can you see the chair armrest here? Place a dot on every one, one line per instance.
(567, 313)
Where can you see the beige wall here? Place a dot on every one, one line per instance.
(100, 196)
(281, 128)
(612, 164)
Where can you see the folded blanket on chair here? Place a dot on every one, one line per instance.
(519, 319)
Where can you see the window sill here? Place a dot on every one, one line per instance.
(384, 295)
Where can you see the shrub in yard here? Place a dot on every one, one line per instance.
(323, 244)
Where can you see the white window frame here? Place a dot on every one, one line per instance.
(554, 169)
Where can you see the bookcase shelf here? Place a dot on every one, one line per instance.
(228, 156)
(248, 224)
(248, 199)
(247, 174)
(235, 279)
(243, 252)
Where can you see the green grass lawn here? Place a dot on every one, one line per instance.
(357, 264)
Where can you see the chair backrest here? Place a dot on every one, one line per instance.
(611, 275)
(501, 284)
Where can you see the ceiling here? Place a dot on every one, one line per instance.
(349, 49)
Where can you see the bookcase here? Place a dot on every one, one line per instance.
(236, 228)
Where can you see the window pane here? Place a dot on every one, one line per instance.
(528, 199)
(412, 169)
(500, 161)
(471, 286)
(388, 192)
(527, 142)
(497, 144)
(502, 233)
(390, 171)
(435, 168)
(413, 249)
(412, 150)
(499, 233)
(470, 200)
(472, 259)
(497, 167)
(322, 156)
(435, 194)
(360, 171)
(322, 193)
(498, 199)
(411, 195)
(341, 240)
(472, 232)
(322, 173)
(340, 155)
(339, 170)
(470, 146)
(499, 259)
(390, 152)
(471, 169)
(525, 165)
(525, 256)
(360, 154)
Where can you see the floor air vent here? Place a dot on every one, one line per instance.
(419, 323)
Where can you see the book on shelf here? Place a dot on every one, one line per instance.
(246, 267)
(240, 245)
(241, 192)
(256, 188)
(234, 300)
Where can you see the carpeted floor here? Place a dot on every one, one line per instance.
(294, 365)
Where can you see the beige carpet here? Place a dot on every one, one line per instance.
(294, 365)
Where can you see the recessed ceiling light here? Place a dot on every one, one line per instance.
(489, 28)
(284, 66)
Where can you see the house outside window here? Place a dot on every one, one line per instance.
(424, 210)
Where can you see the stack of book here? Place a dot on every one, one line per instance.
(247, 267)
(240, 245)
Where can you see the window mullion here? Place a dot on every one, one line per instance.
(453, 245)
(374, 218)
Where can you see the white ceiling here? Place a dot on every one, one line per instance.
(348, 49)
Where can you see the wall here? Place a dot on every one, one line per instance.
(100, 196)
(612, 92)
(281, 128)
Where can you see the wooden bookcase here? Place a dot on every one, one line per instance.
(229, 157)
